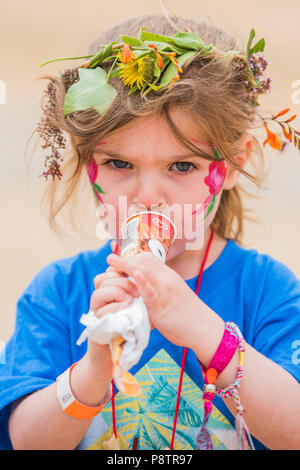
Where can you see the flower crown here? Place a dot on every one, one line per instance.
(147, 63)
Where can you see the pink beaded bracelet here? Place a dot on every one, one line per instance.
(222, 357)
(234, 387)
(244, 437)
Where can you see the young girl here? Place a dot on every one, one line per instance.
(186, 142)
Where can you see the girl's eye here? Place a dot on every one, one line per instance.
(183, 167)
(119, 163)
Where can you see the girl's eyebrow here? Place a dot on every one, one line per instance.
(119, 156)
(99, 149)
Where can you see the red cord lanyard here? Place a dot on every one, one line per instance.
(135, 441)
(185, 349)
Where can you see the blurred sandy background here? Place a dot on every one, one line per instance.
(31, 32)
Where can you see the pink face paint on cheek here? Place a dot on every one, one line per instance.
(92, 171)
(216, 177)
(215, 181)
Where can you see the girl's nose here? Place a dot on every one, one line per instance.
(150, 193)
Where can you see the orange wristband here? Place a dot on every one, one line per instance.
(68, 402)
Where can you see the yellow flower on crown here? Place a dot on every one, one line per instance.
(137, 72)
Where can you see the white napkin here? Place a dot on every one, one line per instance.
(132, 323)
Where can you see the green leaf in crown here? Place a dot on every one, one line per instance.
(258, 47)
(91, 91)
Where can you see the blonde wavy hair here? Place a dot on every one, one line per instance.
(209, 87)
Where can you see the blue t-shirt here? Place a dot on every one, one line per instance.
(260, 294)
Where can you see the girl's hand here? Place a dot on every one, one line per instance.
(173, 308)
(113, 292)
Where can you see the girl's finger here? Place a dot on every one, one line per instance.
(109, 273)
(147, 263)
(101, 277)
(123, 283)
(111, 269)
(147, 290)
(106, 295)
(112, 308)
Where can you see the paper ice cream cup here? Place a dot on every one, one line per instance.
(143, 231)
(148, 231)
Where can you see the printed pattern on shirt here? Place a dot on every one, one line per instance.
(150, 416)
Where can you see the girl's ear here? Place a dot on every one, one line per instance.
(241, 159)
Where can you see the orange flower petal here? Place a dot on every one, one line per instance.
(295, 140)
(268, 134)
(291, 118)
(281, 113)
(127, 55)
(287, 134)
(272, 139)
(265, 142)
(159, 60)
(275, 142)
